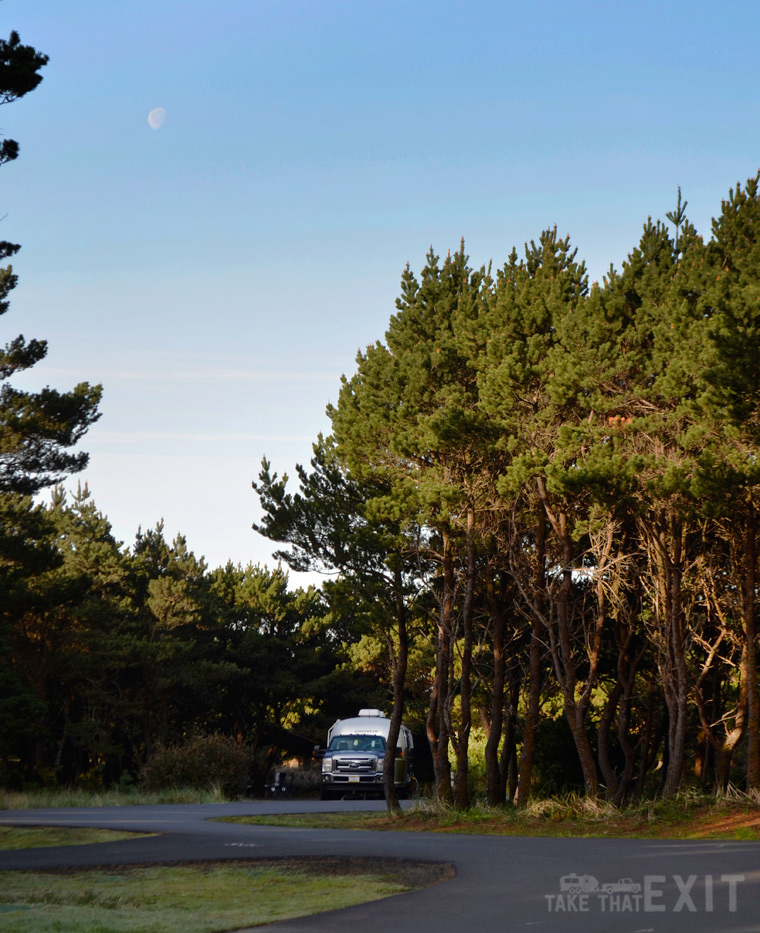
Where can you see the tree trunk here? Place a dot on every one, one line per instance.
(534, 665)
(725, 751)
(662, 535)
(609, 774)
(650, 742)
(494, 784)
(677, 696)
(750, 634)
(465, 688)
(565, 663)
(438, 721)
(400, 664)
(508, 765)
(627, 668)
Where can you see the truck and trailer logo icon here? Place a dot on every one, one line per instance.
(588, 884)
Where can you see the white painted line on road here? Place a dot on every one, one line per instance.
(243, 845)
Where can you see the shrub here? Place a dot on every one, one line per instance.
(201, 762)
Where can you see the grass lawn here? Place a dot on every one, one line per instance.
(202, 898)
(32, 837)
(76, 797)
(688, 816)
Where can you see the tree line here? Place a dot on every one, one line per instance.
(545, 489)
(112, 653)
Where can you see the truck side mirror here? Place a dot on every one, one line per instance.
(318, 752)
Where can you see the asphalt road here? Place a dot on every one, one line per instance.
(502, 884)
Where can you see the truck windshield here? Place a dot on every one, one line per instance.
(358, 743)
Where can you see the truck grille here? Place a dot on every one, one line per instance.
(354, 765)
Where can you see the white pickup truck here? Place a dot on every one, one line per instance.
(353, 761)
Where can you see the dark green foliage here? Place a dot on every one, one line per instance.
(111, 654)
(19, 65)
(203, 762)
(37, 429)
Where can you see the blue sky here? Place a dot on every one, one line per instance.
(217, 275)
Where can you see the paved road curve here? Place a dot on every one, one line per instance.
(503, 884)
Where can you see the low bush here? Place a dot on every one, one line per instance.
(203, 762)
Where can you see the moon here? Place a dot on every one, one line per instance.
(156, 118)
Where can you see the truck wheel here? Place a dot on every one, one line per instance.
(327, 794)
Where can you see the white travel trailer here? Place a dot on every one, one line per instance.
(355, 754)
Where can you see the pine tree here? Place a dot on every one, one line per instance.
(37, 432)
(19, 67)
(328, 528)
(535, 297)
(409, 420)
(37, 429)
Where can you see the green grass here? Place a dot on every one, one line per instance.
(34, 837)
(201, 898)
(74, 797)
(690, 815)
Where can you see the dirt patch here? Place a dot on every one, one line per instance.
(728, 825)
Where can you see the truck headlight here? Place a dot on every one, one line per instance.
(327, 764)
